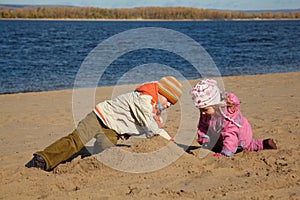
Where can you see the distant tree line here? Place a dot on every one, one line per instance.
(159, 13)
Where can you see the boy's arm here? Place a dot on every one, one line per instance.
(157, 116)
(143, 111)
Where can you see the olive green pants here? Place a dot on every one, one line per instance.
(67, 146)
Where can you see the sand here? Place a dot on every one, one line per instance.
(31, 121)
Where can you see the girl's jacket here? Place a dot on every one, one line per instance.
(133, 113)
(231, 127)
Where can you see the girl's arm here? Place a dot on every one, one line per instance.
(202, 130)
(202, 137)
(231, 126)
(230, 139)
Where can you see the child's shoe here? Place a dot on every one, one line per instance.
(269, 144)
(37, 161)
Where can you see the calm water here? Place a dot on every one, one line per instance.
(46, 55)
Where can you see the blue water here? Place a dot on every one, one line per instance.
(46, 55)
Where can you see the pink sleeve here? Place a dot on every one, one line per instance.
(230, 139)
(202, 129)
(199, 133)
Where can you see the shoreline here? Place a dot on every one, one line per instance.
(109, 86)
(146, 20)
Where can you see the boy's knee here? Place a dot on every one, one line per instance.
(104, 141)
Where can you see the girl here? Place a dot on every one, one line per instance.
(222, 127)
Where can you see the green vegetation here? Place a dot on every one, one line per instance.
(148, 13)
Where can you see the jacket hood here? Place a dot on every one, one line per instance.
(149, 89)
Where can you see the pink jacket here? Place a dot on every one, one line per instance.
(232, 128)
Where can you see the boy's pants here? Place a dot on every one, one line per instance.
(67, 146)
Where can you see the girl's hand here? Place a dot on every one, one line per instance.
(202, 139)
(217, 154)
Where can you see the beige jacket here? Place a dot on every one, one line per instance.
(130, 113)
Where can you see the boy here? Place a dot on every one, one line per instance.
(134, 113)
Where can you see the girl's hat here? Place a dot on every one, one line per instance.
(206, 93)
(170, 88)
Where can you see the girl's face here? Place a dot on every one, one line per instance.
(209, 110)
(164, 102)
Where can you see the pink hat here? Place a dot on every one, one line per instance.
(206, 93)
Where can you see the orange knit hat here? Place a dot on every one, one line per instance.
(170, 88)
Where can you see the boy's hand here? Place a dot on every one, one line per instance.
(157, 119)
(125, 136)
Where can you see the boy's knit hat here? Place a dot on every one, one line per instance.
(170, 88)
(206, 93)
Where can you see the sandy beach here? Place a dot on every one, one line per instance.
(31, 121)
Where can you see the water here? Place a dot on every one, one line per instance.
(46, 55)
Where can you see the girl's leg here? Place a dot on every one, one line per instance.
(255, 145)
(258, 144)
